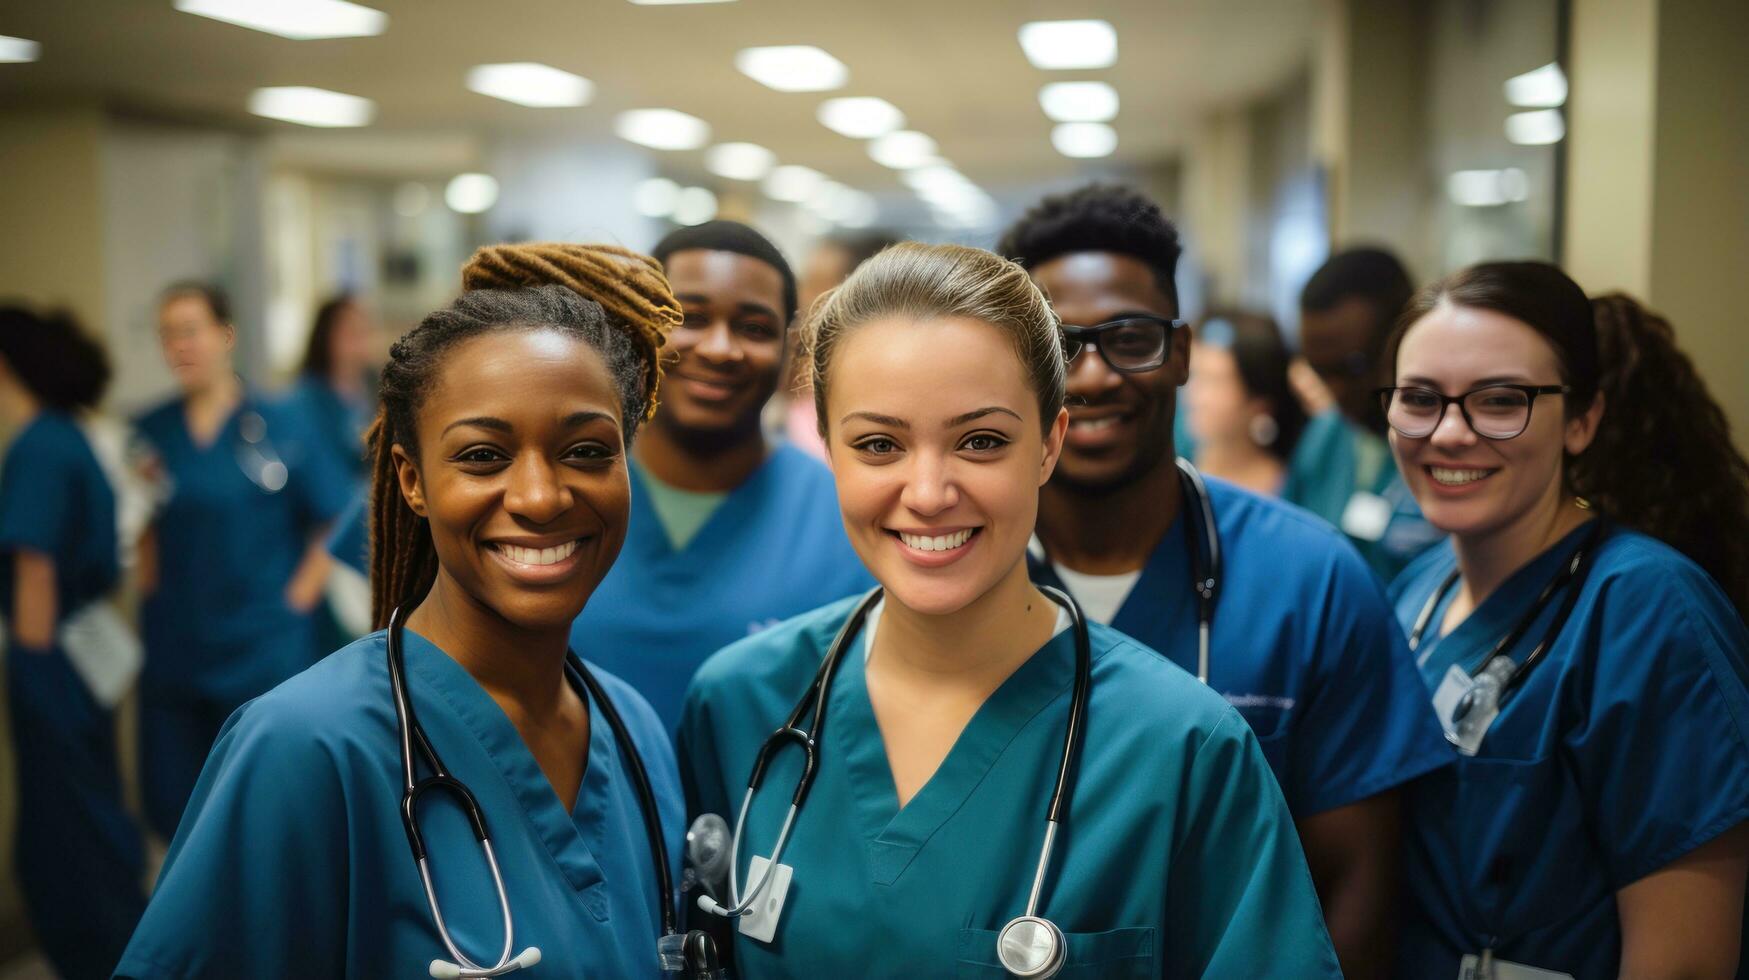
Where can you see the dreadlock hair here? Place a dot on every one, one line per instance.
(1663, 461)
(55, 360)
(616, 301)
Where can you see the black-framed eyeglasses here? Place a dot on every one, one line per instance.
(1492, 412)
(1130, 344)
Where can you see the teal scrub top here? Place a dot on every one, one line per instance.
(1178, 857)
(1346, 475)
(56, 501)
(1626, 748)
(291, 860)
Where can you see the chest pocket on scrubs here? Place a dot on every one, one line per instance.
(1271, 723)
(1118, 953)
(1525, 854)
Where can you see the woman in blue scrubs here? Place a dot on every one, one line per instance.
(1590, 676)
(1240, 411)
(938, 374)
(234, 563)
(333, 389)
(500, 501)
(77, 852)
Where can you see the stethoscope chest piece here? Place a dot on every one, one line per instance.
(1031, 947)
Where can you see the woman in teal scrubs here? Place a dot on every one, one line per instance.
(938, 374)
(234, 564)
(77, 851)
(500, 501)
(1589, 674)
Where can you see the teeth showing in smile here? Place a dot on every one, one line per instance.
(1094, 425)
(537, 556)
(1457, 478)
(945, 542)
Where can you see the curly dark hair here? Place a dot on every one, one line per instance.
(56, 360)
(1097, 218)
(1664, 461)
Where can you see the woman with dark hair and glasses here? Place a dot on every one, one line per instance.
(1589, 675)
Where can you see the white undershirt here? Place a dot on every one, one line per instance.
(1101, 596)
(873, 621)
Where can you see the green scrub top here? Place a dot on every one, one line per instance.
(1178, 856)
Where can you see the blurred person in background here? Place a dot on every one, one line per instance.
(1239, 407)
(235, 563)
(1299, 636)
(729, 532)
(1587, 669)
(77, 851)
(1342, 470)
(336, 383)
(831, 262)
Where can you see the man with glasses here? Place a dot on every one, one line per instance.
(1301, 640)
(1341, 468)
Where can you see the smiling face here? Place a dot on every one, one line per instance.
(938, 452)
(521, 474)
(725, 358)
(197, 346)
(1467, 485)
(1120, 425)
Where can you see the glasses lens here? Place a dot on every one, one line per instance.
(1413, 411)
(1498, 413)
(1071, 349)
(1134, 345)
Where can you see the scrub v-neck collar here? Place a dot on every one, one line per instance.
(1489, 621)
(894, 835)
(727, 518)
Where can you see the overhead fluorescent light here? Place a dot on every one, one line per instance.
(739, 161)
(904, 150)
(1058, 44)
(311, 106)
(1539, 88)
(299, 20)
(792, 68)
(695, 206)
(471, 193)
(656, 197)
(1538, 128)
(1084, 139)
(531, 84)
(16, 50)
(1078, 101)
(860, 117)
(1487, 188)
(662, 129)
(792, 183)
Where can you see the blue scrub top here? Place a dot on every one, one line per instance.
(774, 548)
(1177, 858)
(349, 542)
(335, 423)
(291, 860)
(1624, 749)
(227, 548)
(1303, 644)
(56, 500)
(1335, 462)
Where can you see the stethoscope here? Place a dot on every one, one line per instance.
(1204, 544)
(1030, 945)
(675, 951)
(1571, 573)
(256, 457)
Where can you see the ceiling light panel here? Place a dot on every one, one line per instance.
(1541, 88)
(792, 183)
(1538, 128)
(531, 84)
(1069, 44)
(739, 161)
(16, 50)
(904, 150)
(656, 197)
(471, 193)
(299, 20)
(662, 129)
(792, 68)
(312, 106)
(860, 117)
(695, 206)
(1078, 101)
(1084, 140)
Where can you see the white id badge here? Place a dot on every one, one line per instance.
(1469, 969)
(1465, 735)
(760, 922)
(1366, 516)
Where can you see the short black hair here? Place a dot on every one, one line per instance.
(1373, 274)
(213, 296)
(1098, 218)
(731, 236)
(54, 358)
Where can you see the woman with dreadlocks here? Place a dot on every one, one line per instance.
(499, 501)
